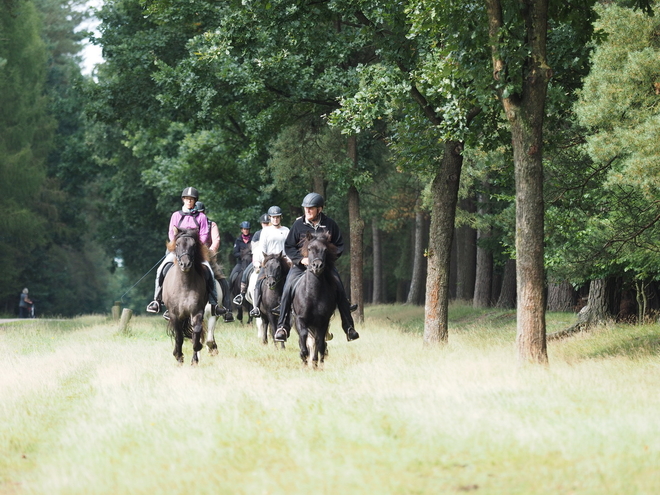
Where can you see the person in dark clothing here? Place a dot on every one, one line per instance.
(315, 221)
(25, 305)
(242, 241)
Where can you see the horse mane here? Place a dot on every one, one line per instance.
(324, 237)
(202, 251)
(279, 257)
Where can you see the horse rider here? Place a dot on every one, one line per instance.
(186, 218)
(314, 221)
(264, 220)
(213, 243)
(240, 243)
(271, 242)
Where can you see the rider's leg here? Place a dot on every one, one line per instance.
(238, 300)
(155, 305)
(283, 321)
(255, 311)
(344, 307)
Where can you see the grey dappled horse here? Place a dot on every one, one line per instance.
(185, 293)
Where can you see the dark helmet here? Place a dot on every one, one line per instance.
(190, 191)
(275, 211)
(264, 218)
(245, 225)
(199, 206)
(313, 199)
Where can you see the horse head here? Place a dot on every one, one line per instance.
(273, 269)
(185, 247)
(319, 252)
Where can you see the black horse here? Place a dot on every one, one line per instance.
(275, 268)
(235, 281)
(185, 293)
(315, 297)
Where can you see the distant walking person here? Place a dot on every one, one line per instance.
(25, 306)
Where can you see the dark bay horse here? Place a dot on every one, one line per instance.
(185, 293)
(315, 297)
(235, 281)
(275, 268)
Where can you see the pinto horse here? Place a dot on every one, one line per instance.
(275, 268)
(185, 293)
(315, 297)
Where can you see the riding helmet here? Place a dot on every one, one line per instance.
(245, 225)
(264, 218)
(313, 200)
(190, 191)
(275, 211)
(199, 206)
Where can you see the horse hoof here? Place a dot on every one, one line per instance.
(329, 336)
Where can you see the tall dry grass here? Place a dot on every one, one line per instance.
(84, 409)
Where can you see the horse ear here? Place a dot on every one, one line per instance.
(309, 235)
(176, 231)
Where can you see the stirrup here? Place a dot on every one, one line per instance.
(166, 314)
(281, 338)
(153, 307)
(255, 312)
(353, 307)
(238, 300)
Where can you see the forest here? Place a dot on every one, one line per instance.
(496, 152)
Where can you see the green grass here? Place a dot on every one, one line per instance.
(84, 409)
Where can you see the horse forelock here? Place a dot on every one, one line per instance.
(324, 238)
(201, 250)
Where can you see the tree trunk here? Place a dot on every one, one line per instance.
(561, 296)
(378, 264)
(483, 284)
(525, 112)
(444, 191)
(466, 256)
(507, 299)
(484, 276)
(595, 312)
(356, 231)
(417, 277)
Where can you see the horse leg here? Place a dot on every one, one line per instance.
(302, 340)
(178, 341)
(321, 346)
(197, 327)
(210, 337)
(312, 357)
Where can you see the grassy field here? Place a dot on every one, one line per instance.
(87, 410)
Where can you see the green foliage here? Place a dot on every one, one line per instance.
(619, 108)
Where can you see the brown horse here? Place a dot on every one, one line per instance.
(185, 293)
(315, 297)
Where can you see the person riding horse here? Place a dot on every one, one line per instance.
(186, 218)
(314, 220)
(271, 241)
(264, 220)
(213, 243)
